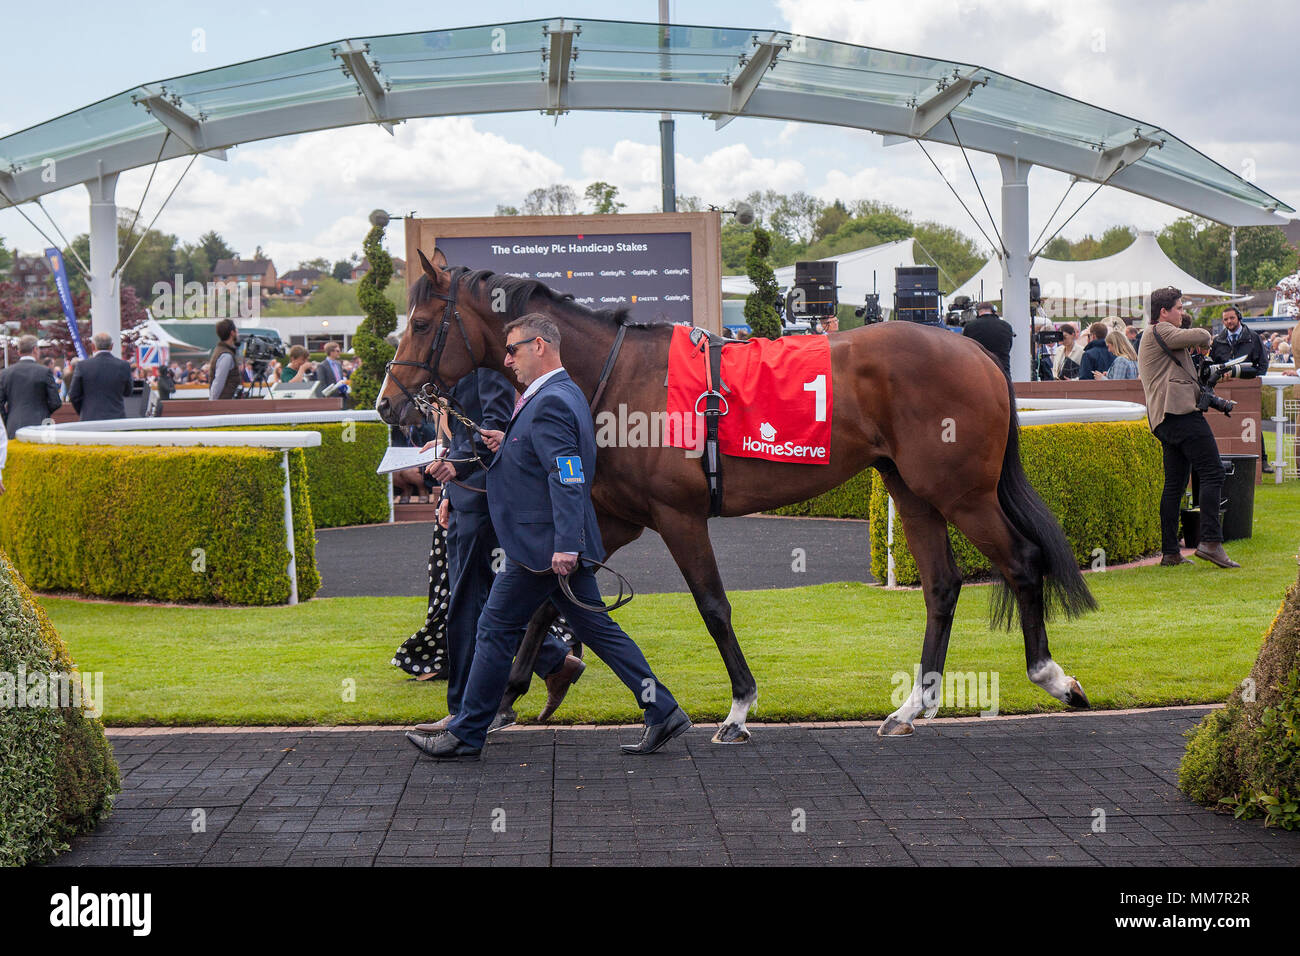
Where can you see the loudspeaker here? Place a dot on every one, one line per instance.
(916, 293)
(814, 284)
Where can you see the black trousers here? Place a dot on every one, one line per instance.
(1188, 443)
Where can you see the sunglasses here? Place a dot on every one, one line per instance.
(512, 349)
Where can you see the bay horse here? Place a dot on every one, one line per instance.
(933, 412)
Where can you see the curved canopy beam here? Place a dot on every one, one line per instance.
(559, 65)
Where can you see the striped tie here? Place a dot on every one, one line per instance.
(519, 403)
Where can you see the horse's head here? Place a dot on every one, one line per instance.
(445, 339)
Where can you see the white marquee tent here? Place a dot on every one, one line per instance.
(1097, 286)
(858, 272)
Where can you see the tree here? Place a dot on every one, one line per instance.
(6, 257)
(556, 200)
(215, 248)
(342, 270)
(506, 210)
(320, 264)
(831, 219)
(761, 306)
(371, 340)
(258, 256)
(957, 255)
(690, 204)
(603, 198)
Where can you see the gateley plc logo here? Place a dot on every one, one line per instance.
(74, 909)
(766, 444)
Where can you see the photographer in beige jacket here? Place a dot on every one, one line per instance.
(1170, 382)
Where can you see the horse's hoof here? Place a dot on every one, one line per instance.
(893, 727)
(1075, 697)
(731, 734)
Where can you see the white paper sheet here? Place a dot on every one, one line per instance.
(398, 458)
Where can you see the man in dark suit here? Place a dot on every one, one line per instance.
(28, 395)
(101, 383)
(331, 370)
(1235, 341)
(486, 397)
(992, 333)
(539, 497)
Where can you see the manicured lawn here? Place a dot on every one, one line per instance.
(1162, 636)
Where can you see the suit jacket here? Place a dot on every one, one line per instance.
(488, 398)
(28, 395)
(539, 482)
(994, 334)
(99, 387)
(1248, 343)
(1170, 386)
(325, 375)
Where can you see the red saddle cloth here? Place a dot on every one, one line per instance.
(776, 394)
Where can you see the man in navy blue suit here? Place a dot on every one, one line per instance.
(486, 397)
(539, 497)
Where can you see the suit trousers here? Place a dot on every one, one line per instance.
(470, 544)
(516, 594)
(1188, 443)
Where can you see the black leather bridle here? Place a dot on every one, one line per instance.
(435, 385)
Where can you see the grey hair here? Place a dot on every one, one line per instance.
(538, 324)
(103, 341)
(27, 345)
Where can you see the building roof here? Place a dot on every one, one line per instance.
(558, 65)
(241, 267)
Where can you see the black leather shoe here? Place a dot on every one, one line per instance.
(1173, 560)
(656, 735)
(1213, 552)
(443, 746)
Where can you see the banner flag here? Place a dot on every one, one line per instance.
(55, 259)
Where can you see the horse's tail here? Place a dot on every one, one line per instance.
(1063, 584)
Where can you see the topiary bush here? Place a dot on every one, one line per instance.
(1102, 480)
(341, 480)
(168, 524)
(57, 773)
(370, 341)
(1245, 759)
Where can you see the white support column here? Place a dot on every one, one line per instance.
(288, 529)
(1015, 266)
(105, 308)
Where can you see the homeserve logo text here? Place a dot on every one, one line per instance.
(766, 444)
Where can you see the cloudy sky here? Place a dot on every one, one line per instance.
(1215, 74)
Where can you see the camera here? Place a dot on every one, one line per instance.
(261, 348)
(1049, 337)
(1209, 377)
(960, 311)
(870, 312)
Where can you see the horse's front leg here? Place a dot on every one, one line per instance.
(687, 537)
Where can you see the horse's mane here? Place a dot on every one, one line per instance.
(519, 294)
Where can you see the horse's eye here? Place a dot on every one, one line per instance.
(420, 327)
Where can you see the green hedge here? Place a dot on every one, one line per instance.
(123, 522)
(57, 773)
(341, 479)
(1246, 757)
(1102, 480)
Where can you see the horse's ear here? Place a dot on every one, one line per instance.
(439, 258)
(436, 275)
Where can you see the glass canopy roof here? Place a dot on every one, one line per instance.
(623, 66)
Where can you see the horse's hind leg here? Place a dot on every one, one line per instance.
(687, 538)
(1020, 560)
(927, 538)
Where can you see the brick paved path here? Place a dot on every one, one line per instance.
(1006, 791)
